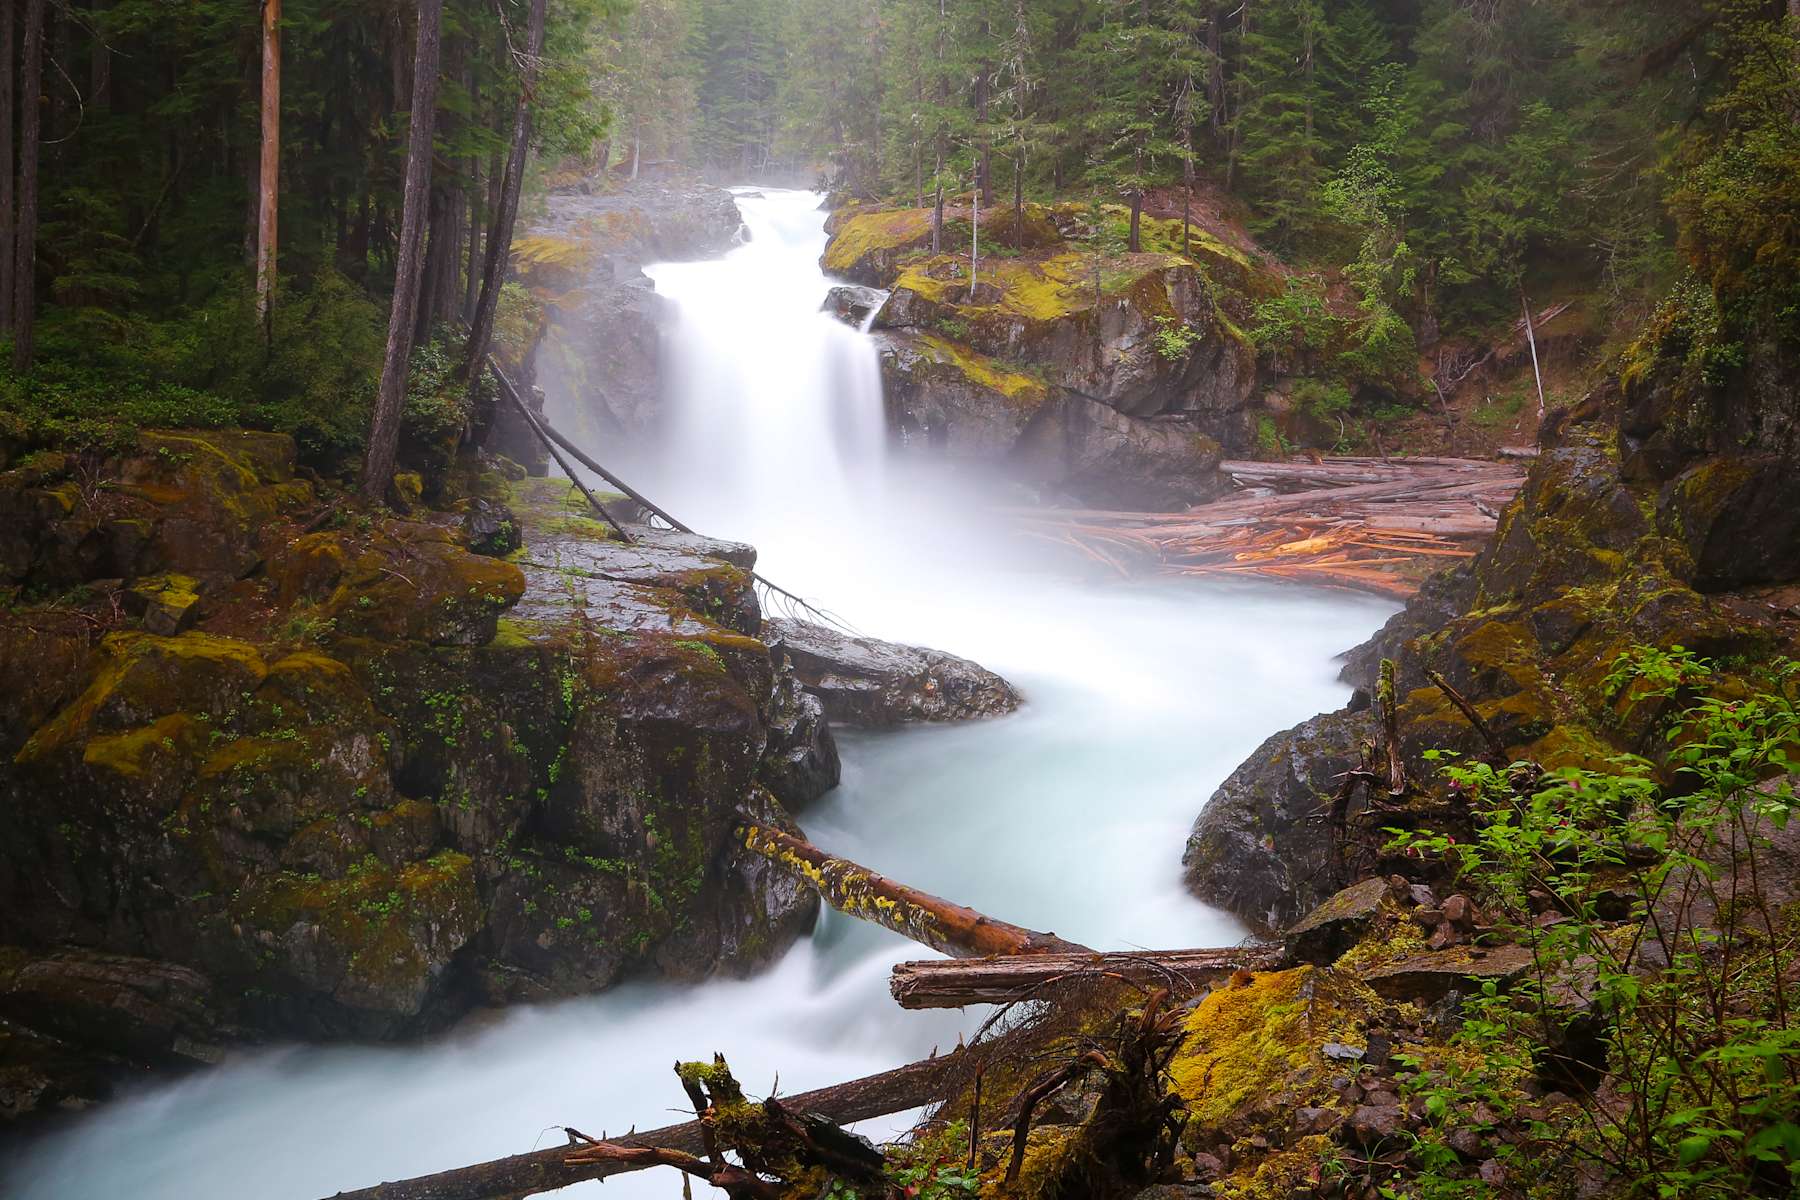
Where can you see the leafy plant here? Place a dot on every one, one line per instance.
(1174, 339)
(1641, 902)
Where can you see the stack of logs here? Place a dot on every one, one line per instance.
(1363, 523)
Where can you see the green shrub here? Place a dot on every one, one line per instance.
(1643, 898)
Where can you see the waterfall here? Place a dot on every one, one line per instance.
(774, 431)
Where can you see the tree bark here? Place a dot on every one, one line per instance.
(8, 88)
(953, 983)
(500, 228)
(99, 63)
(269, 176)
(384, 436)
(25, 241)
(522, 1175)
(929, 920)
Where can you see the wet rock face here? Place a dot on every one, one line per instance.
(875, 684)
(382, 777)
(601, 350)
(1625, 535)
(853, 304)
(1112, 383)
(1258, 848)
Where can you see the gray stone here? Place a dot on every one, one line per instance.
(1372, 1124)
(1335, 926)
(853, 304)
(871, 683)
(1431, 976)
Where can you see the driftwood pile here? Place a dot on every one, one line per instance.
(1361, 523)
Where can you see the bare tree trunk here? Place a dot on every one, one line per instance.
(975, 245)
(937, 211)
(1019, 198)
(1005, 979)
(500, 229)
(269, 177)
(1531, 336)
(8, 87)
(932, 921)
(30, 133)
(384, 436)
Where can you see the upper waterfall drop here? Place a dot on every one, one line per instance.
(774, 422)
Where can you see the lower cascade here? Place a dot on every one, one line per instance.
(1068, 815)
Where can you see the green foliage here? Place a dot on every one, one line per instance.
(1175, 340)
(1296, 322)
(1637, 891)
(1738, 188)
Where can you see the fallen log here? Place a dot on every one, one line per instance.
(958, 982)
(929, 920)
(912, 1086)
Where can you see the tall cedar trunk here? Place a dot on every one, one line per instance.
(984, 166)
(30, 131)
(500, 231)
(431, 272)
(384, 436)
(937, 210)
(8, 17)
(269, 168)
(1215, 73)
(99, 64)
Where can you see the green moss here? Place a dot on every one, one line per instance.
(1020, 391)
(863, 233)
(1253, 1038)
(131, 754)
(149, 675)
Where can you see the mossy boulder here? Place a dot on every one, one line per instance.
(384, 778)
(1259, 848)
(1138, 333)
(194, 504)
(867, 246)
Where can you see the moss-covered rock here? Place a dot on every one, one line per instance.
(356, 805)
(1621, 538)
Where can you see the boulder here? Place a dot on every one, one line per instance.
(874, 684)
(1431, 976)
(1258, 848)
(1336, 925)
(854, 304)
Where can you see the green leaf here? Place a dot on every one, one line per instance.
(1690, 1150)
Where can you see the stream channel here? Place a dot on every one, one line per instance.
(1069, 815)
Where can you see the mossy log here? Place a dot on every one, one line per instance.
(929, 920)
(521, 1175)
(955, 983)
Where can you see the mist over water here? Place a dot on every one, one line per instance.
(1067, 816)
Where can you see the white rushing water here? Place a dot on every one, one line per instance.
(1069, 815)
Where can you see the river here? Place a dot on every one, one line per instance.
(1068, 816)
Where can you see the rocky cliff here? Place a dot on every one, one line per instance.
(598, 357)
(273, 766)
(1663, 510)
(1106, 378)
